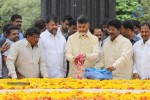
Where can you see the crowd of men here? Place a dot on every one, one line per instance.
(48, 49)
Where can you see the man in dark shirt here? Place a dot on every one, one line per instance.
(127, 31)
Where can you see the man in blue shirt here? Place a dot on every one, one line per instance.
(16, 20)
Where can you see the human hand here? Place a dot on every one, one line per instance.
(5, 47)
(19, 76)
(136, 76)
(79, 59)
(111, 68)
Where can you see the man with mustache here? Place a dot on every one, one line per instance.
(128, 31)
(141, 48)
(117, 52)
(82, 42)
(63, 29)
(26, 57)
(16, 20)
(53, 44)
(12, 33)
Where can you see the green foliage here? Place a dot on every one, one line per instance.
(146, 9)
(28, 9)
(124, 9)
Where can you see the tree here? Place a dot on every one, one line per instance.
(146, 10)
(125, 8)
(28, 9)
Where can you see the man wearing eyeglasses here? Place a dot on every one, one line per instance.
(26, 57)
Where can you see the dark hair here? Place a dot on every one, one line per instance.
(72, 22)
(146, 23)
(114, 22)
(136, 23)
(6, 26)
(97, 27)
(68, 17)
(128, 24)
(31, 31)
(91, 29)
(8, 30)
(51, 17)
(40, 24)
(82, 19)
(104, 22)
(15, 16)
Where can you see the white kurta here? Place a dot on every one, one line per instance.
(118, 54)
(54, 49)
(142, 59)
(29, 62)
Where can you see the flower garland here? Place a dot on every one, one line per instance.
(79, 68)
(73, 95)
(70, 83)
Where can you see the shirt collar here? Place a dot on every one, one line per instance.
(27, 43)
(88, 34)
(49, 34)
(8, 40)
(147, 42)
(116, 39)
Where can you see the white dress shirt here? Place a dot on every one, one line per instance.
(63, 34)
(118, 54)
(29, 62)
(54, 49)
(105, 40)
(7, 51)
(142, 59)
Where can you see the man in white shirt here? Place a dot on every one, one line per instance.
(117, 53)
(141, 68)
(63, 29)
(12, 36)
(26, 57)
(98, 32)
(53, 44)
